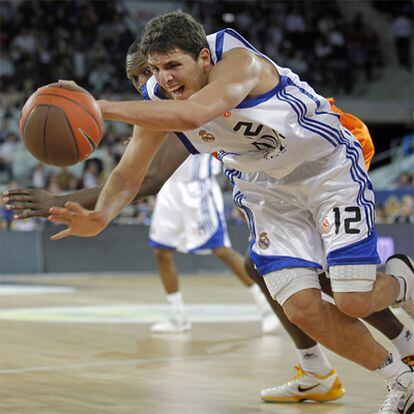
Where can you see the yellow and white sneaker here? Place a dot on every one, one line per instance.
(408, 359)
(306, 386)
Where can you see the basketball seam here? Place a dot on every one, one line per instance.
(44, 134)
(73, 135)
(77, 103)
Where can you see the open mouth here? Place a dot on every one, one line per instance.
(178, 91)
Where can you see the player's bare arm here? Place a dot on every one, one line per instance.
(123, 184)
(34, 202)
(239, 74)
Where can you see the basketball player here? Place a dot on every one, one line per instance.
(77, 215)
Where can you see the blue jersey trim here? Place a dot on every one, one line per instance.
(144, 92)
(157, 92)
(191, 148)
(250, 102)
(362, 252)
(238, 200)
(335, 137)
(219, 44)
(206, 195)
(267, 264)
(156, 245)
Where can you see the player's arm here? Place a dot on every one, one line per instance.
(123, 184)
(230, 81)
(35, 202)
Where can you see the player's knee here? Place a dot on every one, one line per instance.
(221, 252)
(303, 313)
(162, 254)
(354, 304)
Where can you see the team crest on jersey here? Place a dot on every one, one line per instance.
(264, 241)
(206, 136)
(325, 225)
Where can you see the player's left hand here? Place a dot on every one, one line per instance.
(29, 203)
(79, 221)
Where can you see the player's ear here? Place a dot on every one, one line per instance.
(205, 57)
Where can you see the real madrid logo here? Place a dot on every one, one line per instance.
(264, 241)
(206, 136)
(325, 225)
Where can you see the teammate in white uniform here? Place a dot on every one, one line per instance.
(189, 217)
(298, 175)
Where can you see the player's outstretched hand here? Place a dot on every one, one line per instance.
(79, 221)
(29, 202)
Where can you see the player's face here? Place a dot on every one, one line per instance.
(137, 69)
(179, 73)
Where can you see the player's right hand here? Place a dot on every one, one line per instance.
(80, 221)
(29, 203)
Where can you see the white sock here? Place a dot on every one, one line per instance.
(392, 367)
(404, 342)
(175, 300)
(260, 299)
(314, 360)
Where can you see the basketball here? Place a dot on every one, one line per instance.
(61, 124)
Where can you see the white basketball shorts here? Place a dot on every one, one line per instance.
(319, 216)
(189, 217)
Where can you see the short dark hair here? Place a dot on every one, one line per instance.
(134, 47)
(176, 29)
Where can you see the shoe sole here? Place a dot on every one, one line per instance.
(336, 392)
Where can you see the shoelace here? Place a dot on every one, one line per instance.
(299, 373)
(390, 405)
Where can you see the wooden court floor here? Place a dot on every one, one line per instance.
(86, 348)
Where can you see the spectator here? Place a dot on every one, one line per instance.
(402, 31)
(405, 180)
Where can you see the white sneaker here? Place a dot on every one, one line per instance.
(306, 386)
(270, 322)
(172, 326)
(399, 394)
(400, 265)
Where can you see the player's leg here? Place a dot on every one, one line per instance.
(164, 235)
(286, 251)
(177, 321)
(344, 213)
(387, 323)
(314, 370)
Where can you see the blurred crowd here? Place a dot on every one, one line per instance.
(331, 51)
(42, 41)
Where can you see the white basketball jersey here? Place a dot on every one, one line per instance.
(275, 132)
(197, 167)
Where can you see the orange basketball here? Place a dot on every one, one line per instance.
(61, 124)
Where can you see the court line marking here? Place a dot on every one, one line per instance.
(120, 362)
